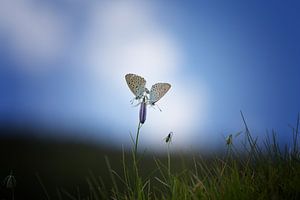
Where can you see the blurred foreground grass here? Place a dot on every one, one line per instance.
(62, 170)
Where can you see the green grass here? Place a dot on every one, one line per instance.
(250, 172)
(246, 170)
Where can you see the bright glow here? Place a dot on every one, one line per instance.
(37, 34)
(118, 37)
(183, 112)
(124, 40)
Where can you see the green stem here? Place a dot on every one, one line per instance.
(137, 140)
(135, 163)
(169, 161)
(136, 149)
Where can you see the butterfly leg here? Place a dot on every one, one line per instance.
(132, 100)
(158, 108)
(135, 99)
(137, 104)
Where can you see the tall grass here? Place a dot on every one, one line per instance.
(245, 171)
(250, 172)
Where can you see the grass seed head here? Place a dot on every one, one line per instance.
(10, 181)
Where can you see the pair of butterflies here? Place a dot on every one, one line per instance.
(137, 85)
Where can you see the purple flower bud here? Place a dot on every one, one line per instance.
(143, 111)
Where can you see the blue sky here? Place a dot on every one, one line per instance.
(63, 65)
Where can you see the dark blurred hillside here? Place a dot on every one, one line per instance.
(60, 164)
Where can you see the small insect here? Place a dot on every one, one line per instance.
(168, 139)
(229, 138)
(137, 85)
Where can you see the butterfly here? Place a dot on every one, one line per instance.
(137, 86)
(157, 91)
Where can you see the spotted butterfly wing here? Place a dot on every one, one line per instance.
(157, 91)
(136, 84)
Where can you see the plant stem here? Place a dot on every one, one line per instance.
(137, 140)
(13, 194)
(169, 161)
(135, 162)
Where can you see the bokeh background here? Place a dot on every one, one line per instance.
(62, 68)
(65, 104)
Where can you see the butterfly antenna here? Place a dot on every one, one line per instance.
(137, 104)
(132, 100)
(158, 108)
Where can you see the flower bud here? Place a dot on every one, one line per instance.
(229, 139)
(10, 181)
(143, 111)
